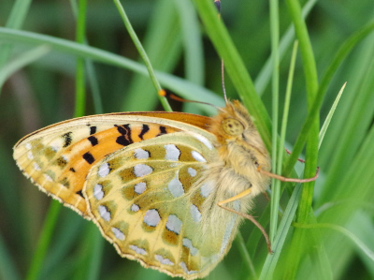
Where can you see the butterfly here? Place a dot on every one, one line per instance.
(154, 182)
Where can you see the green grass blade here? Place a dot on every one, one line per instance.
(7, 265)
(44, 241)
(340, 56)
(184, 88)
(162, 43)
(283, 229)
(264, 76)
(304, 214)
(327, 121)
(142, 53)
(192, 42)
(274, 24)
(80, 74)
(23, 60)
(15, 20)
(235, 67)
(276, 185)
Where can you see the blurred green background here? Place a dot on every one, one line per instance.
(43, 92)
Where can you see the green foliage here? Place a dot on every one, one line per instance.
(60, 59)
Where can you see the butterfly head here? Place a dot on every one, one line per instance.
(234, 124)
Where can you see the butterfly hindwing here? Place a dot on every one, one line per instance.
(147, 200)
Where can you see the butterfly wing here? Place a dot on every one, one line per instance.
(150, 182)
(152, 200)
(58, 158)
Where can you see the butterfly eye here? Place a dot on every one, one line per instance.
(232, 127)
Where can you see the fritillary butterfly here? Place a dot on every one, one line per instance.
(152, 181)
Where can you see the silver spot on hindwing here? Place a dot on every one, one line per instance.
(163, 260)
(138, 250)
(98, 191)
(104, 169)
(198, 156)
(140, 187)
(135, 208)
(152, 218)
(192, 171)
(188, 243)
(172, 152)
(195, 212)
(141, 170)
(174, 224)
(104, 213)
(118, 233)
(141, 154)
(176, 187)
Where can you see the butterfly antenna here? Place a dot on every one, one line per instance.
(223, 80)
(170, 95)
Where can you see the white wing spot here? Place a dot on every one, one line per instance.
(28, 146)
(30, 155)
(104, 169)
(118, 233)
(99, 192)
(56, 148)
(198, 156)
(135, 208)
(56, 145)
(188, 243)
(172, 152)
(141, 170)
(65, 157)
(176, 187)
(163, 260)
(104, 212)
(207, 189)
(48, 178)
(192, 171)
(174, 224)
(195, 212)
(152, 218)
(203, 140)
(140, 187)
(138, 250)
(37, 166)
(184, 266)
(141, 154)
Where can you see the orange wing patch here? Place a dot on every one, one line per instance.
(60, 166)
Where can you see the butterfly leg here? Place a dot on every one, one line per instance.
(299, 159)
(286, 179)
(249, 217)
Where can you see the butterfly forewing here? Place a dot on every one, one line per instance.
(58, 158)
